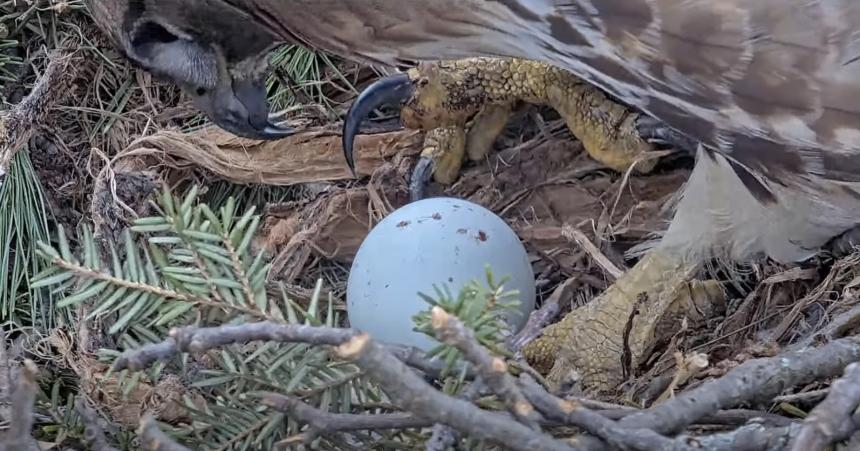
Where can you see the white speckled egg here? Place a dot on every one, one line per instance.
(442, 241)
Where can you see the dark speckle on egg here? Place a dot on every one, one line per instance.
(462, 231)
(482, 236)
(437, 216)
(402, 224)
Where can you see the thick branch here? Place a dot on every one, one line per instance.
(493, 370)
(443, 436)
(199, 340)
(93, 433)
(824, 425)
(411, 393)
(752, 437)
(573, 413)
(754, 380)
(154, 439)
(402, 383)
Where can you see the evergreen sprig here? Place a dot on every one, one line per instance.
(188, 265)
(480, 306)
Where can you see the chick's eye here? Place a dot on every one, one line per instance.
(200, 91)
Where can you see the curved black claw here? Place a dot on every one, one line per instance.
(421, 175)
(844, 244)
(395, 89)
(658, 133)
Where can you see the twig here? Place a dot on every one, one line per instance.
(322, 422)
(198, 340)
(201, 339)
(825, 421)
(751, 381)
(154, 439)
(571, 233)
(445, 437)
(573, 413)
(417, 359)
(541, 317)
(493, 370)
(18, 123)
(803, 396)
(834, 328)
(93, 433)
(413, 394)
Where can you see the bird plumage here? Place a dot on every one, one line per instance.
(770, 88)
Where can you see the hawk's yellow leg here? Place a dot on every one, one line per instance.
(472, 99)
(445, 147)
(464, 105)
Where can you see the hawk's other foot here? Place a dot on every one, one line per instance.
(597, 344)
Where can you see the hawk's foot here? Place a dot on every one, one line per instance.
(477, 95)
(597, 345)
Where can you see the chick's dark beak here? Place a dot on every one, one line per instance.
(394, 90)
(240, 107)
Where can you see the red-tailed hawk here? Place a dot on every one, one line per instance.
(770, 88)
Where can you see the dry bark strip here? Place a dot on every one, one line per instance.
(122, 188)
(311, 155)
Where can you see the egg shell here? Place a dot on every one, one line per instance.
(442, 241)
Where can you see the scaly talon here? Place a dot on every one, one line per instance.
(441, 159)
(421, 176)
(478, 94)
(660, 134)
(844, 244)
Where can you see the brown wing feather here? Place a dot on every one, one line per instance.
(775, 86)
